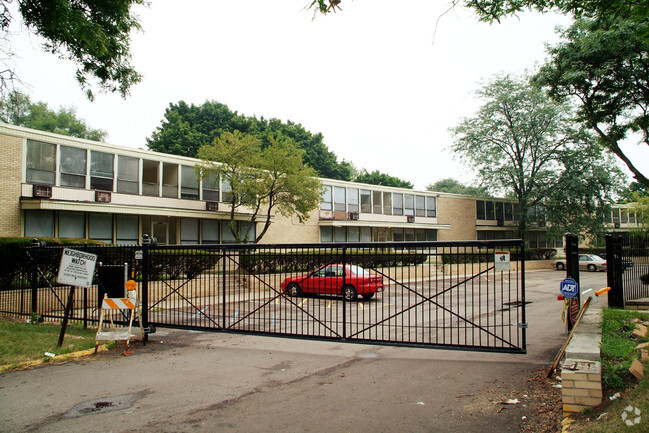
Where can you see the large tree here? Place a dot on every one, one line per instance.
(604, 64)
(261, 180)
(454, 186)
(523, 144)
(16, 108)
(186, 128)
(376, 177)
(94, 34)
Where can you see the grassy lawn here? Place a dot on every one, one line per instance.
(618, 352)
(23, 342)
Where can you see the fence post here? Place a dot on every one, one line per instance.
(36, 245)
(614, 271)
(144, 309)
(572, 271)
(344, 260)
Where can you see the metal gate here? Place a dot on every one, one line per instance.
(428, 294)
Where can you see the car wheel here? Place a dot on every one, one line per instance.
(592, 268)
(368, 296)
(294, 289)
(560, 266)
(349, 293)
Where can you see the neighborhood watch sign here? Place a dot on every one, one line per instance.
(77, 268)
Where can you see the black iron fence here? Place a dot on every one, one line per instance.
(459, 295)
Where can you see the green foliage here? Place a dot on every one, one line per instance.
(272, 262)
(378, 178)
(261, 180)
(525, 146)
(181, 264)
(603, 64)
(17, 109)
(186, 128)
(93, 34)
(454, 186)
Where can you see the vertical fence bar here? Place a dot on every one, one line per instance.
(614, 271)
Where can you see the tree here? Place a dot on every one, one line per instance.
(94, 34)
(378, 178)
(17, 109)
(454, 186)
(604, 63)
(186, 128)
(272, 179)
(523, 144)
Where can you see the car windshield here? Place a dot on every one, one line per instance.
(357, 270)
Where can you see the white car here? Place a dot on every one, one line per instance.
(587, 262)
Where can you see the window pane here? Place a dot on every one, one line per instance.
(490, 210)
(128, 174)
(353, 234)
(340, 199)
(420, 205)
(387, 203)
(226, 191)
(72, 225)
(39, 224)
(189, 183)
(397, 204)
(73, 160)
(366, 234)
(409, 204)
(101, 164)
(188, 230)
(41, 162)
(340, 234)
(101, 183)
(210, 188)
(431, 207)
(126, 229)
(100, 227)
(376, 199)
(500, 211)
(210, 231)
(509, 211)
(480, 209)
(366, 201)
(326, 234)
(409, 234)
(398, 235)
(352, 200)
(325, 198)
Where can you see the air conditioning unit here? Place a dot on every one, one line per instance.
(353, 216)
(410, 218)
(42, 191)
(102, 196)
(211, 205)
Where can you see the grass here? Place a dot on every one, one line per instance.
(618, 352)
(22, 342)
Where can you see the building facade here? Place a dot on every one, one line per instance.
(60, 186)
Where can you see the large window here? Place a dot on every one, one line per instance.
(431, 207)
(387, 203)
(397, 204)
(352, 200)
(72, 225)
(73, 167)
(340, 199)
(126, 229)
(420, 205)
(210, 231)
(41, 163)
(169, 180)
(226, 191)
(376, 199)
(39, 224)
(409, 204)
(325, 198)
(150, 178)
(101, 170)
(100, 227)
(366, 201)
(128, 174)
(188, 183)
(211, 188)
(189, 231)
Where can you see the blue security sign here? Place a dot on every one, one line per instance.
(569, 288)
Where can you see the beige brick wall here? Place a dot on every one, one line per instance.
(581, 385)
(10, 180)
(459, 213)
(289, 230)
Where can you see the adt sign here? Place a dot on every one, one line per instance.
(569, 288)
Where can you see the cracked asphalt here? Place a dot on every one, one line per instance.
(184, 381)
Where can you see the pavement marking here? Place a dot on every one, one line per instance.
(56, 358)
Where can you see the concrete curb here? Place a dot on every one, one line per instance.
(66, 356)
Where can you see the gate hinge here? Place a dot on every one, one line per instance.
(522, 325)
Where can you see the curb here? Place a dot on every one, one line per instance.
(63, 357)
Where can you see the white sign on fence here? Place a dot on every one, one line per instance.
(77, 268)
(501, 260)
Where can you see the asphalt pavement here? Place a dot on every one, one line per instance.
(184, 381)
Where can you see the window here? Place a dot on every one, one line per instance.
(41, 162)
(366, 234)
(126, 229)
(100, 227)
(188, 184)
(420, 205)
(387, 203)
(39, 224)
(431, 207)
(409, 204)
(500, 211)
(72, 225)
(340, 199)
(188, 231)
(128, 174)
(150, 178)
(480, 209)
(101, 170)
(366, 201)
(509, 211)
(632, 219)
(398, 235)
(397, 204)
(325, 198)
(73, 167)
(624, 216)
(340, 234)
(352, 200)
(226, 191)
(353, 234)
(252, 234)
(210, 231)
(211, 188)
(326, 234)
(376, 199)
(169, 180)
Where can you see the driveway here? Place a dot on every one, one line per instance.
(186, 381)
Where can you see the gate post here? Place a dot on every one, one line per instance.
(36, 245)
(572, 271)
(614, 271)
(144, 310)
(344, 260)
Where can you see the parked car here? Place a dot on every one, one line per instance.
(328, 280)
(626, 262)
(587, 262)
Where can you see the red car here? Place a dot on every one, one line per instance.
(328, 280)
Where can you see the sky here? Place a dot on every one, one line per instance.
(383, 81)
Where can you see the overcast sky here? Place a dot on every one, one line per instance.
(381, 80)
